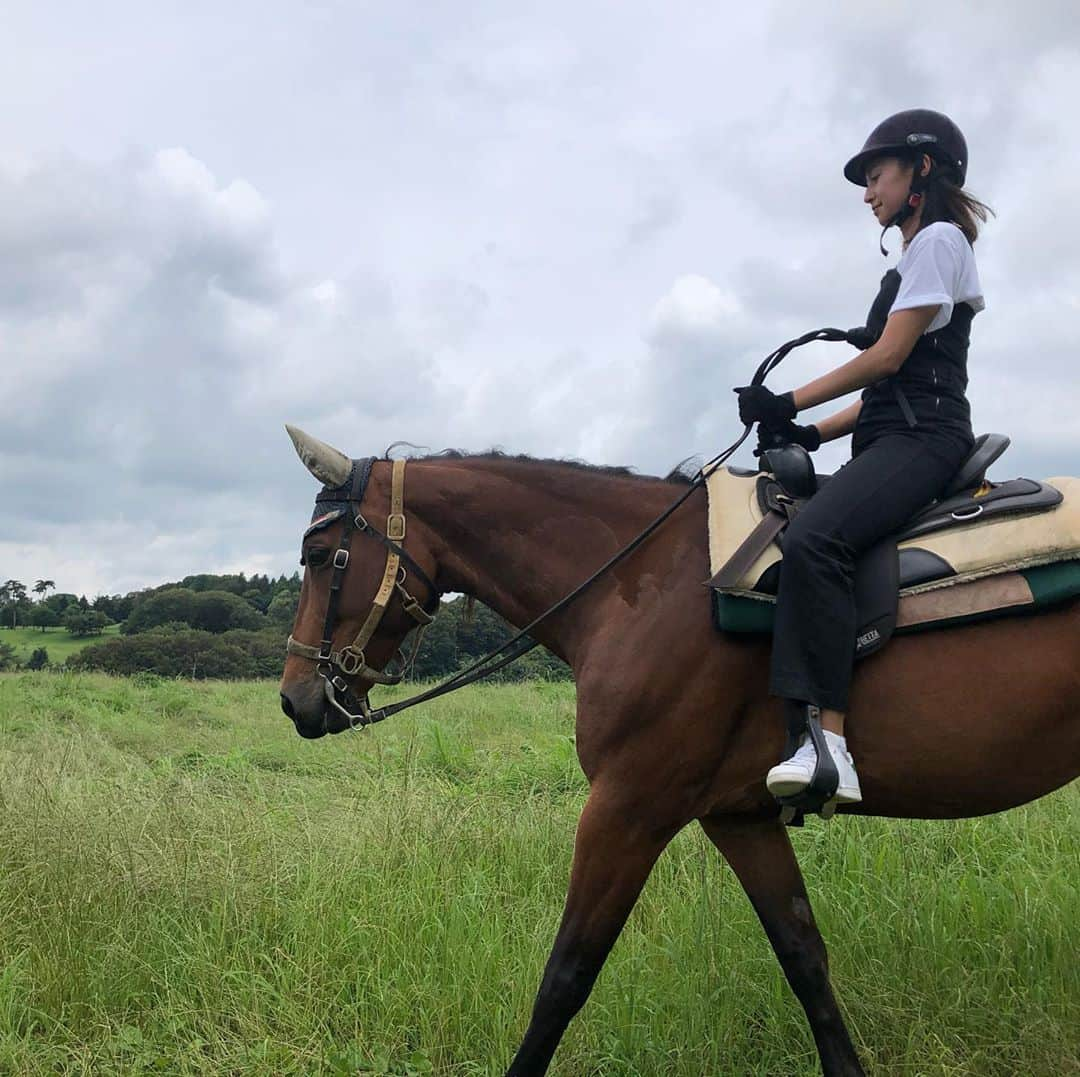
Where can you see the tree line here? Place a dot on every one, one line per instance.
(234, 627)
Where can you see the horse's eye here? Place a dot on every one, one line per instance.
(316, 557)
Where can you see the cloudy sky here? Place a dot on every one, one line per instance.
(566, 232)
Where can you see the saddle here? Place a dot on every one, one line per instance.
(983, 549)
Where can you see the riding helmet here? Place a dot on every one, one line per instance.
(918, 130)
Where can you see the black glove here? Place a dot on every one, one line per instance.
(860, 337)
(772, 437)
(760, 405)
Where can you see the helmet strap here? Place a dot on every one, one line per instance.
(916, 191)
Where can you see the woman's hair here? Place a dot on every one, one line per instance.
(943, 200)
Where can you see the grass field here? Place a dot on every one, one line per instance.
(186, 887)
(60, 644)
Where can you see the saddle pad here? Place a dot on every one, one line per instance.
(973, 550)
(1027, 591)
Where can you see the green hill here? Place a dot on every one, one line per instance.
(60, 644)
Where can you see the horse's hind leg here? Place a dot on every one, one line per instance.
(762, 857)
(613, 855)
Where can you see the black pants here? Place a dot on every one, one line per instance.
(871, 496)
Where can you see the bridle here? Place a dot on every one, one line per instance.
(343, 502)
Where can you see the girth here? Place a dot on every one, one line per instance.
(349, 661)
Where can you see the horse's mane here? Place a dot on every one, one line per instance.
(682, 474)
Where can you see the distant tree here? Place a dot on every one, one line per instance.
(12, 591)
(207, 581)
(41, 615)
(60, 601)
(156, 608)
(257, 599)
(265, 650)
(256, 590)
(81, 622)
(282, 608)
(13, 601)
(218, 611)
(187, 652)
(44, 586)
(212, 611)
(117, 607)
(456, 639)
(38, 659)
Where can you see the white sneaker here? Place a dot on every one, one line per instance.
(793, 775)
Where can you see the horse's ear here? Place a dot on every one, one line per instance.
(326, 463)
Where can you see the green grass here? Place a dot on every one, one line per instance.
(60, 644)
(186, 887)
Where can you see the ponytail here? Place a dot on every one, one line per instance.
(943, 200)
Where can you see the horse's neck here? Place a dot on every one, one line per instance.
(519, 535)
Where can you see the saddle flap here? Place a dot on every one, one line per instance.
(877, 596)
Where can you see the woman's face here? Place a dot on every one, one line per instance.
(888, 183)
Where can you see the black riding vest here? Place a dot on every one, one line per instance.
(928, 392)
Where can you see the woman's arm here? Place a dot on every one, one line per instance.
(883, 359)
(840, 424)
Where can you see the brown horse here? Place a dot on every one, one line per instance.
(674, 722)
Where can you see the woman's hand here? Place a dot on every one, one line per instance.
(760, 405)
(770, 437)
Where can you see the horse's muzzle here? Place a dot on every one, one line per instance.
(305, 703)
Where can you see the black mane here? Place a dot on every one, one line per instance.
(682, 474)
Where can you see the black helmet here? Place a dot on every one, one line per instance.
(918, 130)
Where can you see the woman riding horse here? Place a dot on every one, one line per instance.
(911, 427)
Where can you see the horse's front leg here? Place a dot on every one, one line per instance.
(613, 855)
(762, 857)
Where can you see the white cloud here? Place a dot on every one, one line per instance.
(553, 231)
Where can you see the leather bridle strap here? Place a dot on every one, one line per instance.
(395, 532)
(350, 660)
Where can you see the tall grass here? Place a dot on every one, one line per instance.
(186, 887)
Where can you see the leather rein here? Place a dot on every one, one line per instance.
(334, 666)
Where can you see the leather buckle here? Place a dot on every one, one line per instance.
(395, 526)
(325, 651)
(341, 558)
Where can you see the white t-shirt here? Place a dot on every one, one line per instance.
(938, 267)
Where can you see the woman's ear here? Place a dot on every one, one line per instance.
(925, 169)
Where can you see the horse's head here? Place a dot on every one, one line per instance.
(362, 591)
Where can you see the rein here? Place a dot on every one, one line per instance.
(334, 666)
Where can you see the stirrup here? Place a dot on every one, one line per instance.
(820, 794)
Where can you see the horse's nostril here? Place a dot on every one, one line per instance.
(287, 707)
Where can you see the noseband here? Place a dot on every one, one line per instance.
(343, 502)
